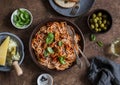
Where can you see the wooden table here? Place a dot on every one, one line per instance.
(42, 10)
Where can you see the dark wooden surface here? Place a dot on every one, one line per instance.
(42, 10)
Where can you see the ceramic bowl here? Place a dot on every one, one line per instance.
(20, 48)
(23, 16)
(97, 23)
(43, 23)
(45, 79)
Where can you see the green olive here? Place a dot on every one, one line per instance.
(102, 25)
(92, 26)
(104, 16)
(94, 16)
(105, 28)
(96, 29)
(99, 29)
(96, 25)
(95, 20)
(100, 14)
(104, 21)
(91, 20)
(100, 18)
(100, 22)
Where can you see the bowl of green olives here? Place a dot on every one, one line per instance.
(99, 21)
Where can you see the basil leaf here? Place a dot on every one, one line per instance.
(46, 53)
(60, 43)
(92, 37)
(50, 38)
(62, 60)
(50, 50)
(100, 43)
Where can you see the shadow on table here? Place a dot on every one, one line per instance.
(49, 9)
(82, 24)
(7, 20)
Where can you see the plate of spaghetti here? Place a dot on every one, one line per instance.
(51, 46)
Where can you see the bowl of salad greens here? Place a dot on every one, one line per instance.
(21, 18)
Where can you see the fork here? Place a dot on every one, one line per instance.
(78, 60)
(87, 61)
(75, 8)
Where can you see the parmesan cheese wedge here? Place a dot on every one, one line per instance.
(3, 51)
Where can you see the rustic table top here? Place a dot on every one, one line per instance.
(41, 10)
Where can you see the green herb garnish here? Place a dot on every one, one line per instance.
(100, 43)
(60, 43)
(50, 38)
(50, 50)
(46, 53)
(92, 37)
(62, 59)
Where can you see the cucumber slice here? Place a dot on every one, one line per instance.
(21, 23)
(15, 18)
(27, 22)
(21, 11)
(22, 17)
(18, 12)
(18, 25)
(26, 15)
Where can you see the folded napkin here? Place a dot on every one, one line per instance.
(104, 72)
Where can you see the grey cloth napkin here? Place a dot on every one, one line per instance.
(104, 72)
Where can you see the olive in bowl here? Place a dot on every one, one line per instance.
(99, 21)
(21, 18)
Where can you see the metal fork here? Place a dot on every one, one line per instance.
(78, 60)
(75, 8)
(87, 61)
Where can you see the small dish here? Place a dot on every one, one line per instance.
(20, 48)
(21, 18)
(99, 21)
(45, 79)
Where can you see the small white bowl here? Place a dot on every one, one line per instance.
(45, 79)
(15, 13)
